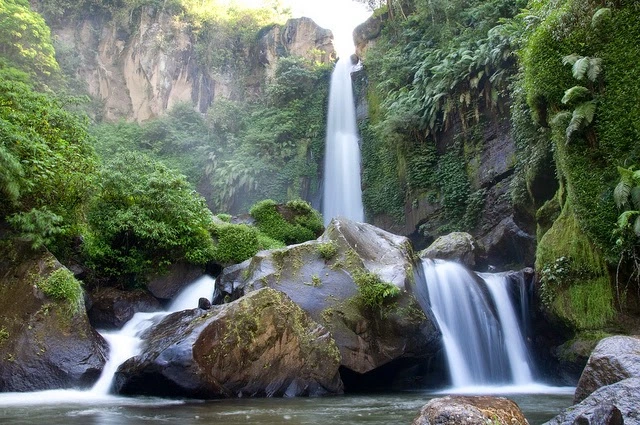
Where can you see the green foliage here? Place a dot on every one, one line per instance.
(146, 215)
(48, 165)
(235, 243)
(328, 250)
(373, 292)
(25, 39)
(295, 222)
(61, 285)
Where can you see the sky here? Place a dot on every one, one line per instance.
(340, 16)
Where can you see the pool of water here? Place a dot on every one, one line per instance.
(75, 407)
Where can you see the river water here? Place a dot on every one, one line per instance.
(392, 408)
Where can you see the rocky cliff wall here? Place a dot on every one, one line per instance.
(140, 71)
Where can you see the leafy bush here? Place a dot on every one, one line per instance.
(295, 222)
(61, 285)
(328, 250)
(144, 216)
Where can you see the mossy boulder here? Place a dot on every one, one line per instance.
(261, 345)
(464, 410)
(456, 246)
(355, 279)
(46, 341)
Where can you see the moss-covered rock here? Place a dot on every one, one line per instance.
(464, 410)
(363, 293)
(46, 341)
(456, 246)
(261, 345)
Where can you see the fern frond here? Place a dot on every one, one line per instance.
(580, 68)
(570, 59)
(621, 193)
(635, 197)
(625, 218)
(585, 112)
(560, 118)
(575, 93)
(595, 68)
(603, 14)
(636, 226)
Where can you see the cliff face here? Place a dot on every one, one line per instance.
(140, 71)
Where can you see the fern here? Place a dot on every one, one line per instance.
(583, 66)
(576, 93)
(10, 175)
(580, 68)
(570, 59)
(594, 69)
(581, 118)
(603, 14)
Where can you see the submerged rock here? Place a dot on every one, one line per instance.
(45, 343)
(614, 359)
(321, 277)
(456, 246)
(112, 308)
(463, 410)
(261, 345)
(614, 404)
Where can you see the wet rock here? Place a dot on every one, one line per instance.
(614, 359)
(319, 276)
(261, 345)
(456, 246)
(44, 343)
(177, 278)
(112, 308)
(463, 410)
(507, 245)
(204, 304)
(613, 404)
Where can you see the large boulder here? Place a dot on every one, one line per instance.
(45, 343)
(329, 279)
(614, 359)
(507, 244)
(112, 308)
(464, 410)
(615, 404)
(456, 246)
(261, 345)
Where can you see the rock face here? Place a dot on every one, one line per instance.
(461, 410)
(365, 34)
(178, 277)
(615, 404)
(614, 359)
(112, 308)
(456, 246)
(261, 345)
(42, 345)
(319, 277)
(141, 70)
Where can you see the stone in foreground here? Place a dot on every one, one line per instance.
(263, 345)
(614, 359)
(464, 410)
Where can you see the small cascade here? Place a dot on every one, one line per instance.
(342, 192)
(481, 334)
(125, 343)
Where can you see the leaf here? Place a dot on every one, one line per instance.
(575, 93)
(570, 59)
(603, 14)
(586, 111)
(625, 218)
(580, 68)
(621, 193)
(595, 68)
(636, 226)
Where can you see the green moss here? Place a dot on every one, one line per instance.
(235, 243)
(328, 250)
(61, 285)
(301, 223)
(4, 335)
(373, 292)
(574, 277)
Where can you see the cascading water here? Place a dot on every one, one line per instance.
(481, 335)
(125, 343)
(342, 192)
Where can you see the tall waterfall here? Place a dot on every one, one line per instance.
(342, 191)
(125, 343)
(482, 338)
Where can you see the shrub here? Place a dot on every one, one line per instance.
(61, 285)
(296, 222)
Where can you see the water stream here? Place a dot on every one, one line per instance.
(342, 192)
(481, 333)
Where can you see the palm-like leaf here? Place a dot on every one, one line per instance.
(621, 193)
(635, 197)
(601, 15)
(580, 68)
(575, 93)
(625, 218)
(594, 69)
(570, 59)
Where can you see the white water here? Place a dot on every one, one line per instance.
(342, 192)
(481, 348)
(125, 343)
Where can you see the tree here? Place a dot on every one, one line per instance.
(146, 216)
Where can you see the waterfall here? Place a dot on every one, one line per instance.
(481, 334)
(342, 192)
(126, 343)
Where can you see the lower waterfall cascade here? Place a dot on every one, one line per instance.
(482, 336)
